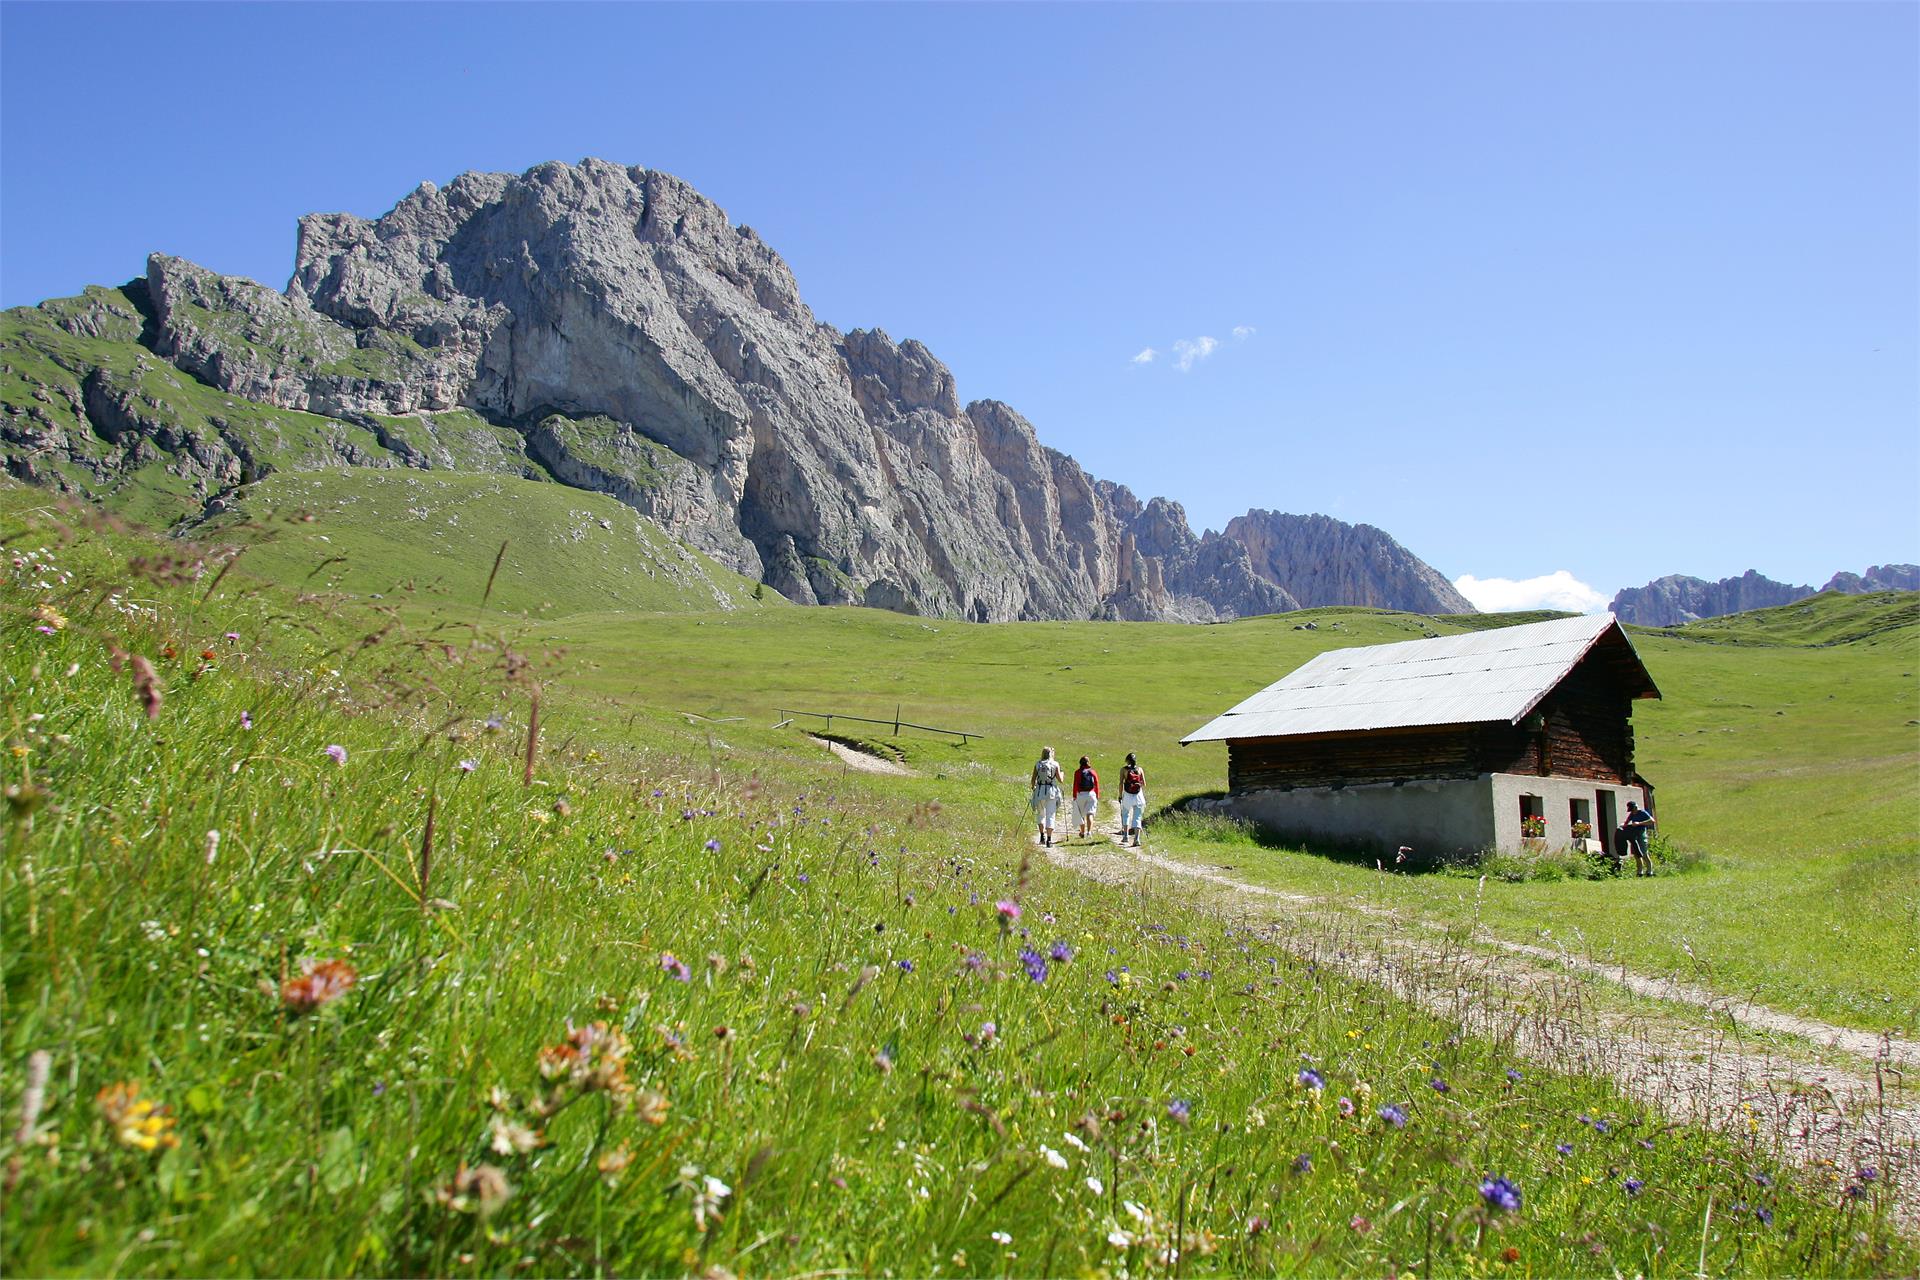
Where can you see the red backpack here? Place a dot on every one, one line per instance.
(1132, 780)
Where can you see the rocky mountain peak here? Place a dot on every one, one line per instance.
(644, 345)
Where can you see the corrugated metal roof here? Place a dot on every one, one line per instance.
(1465, 679)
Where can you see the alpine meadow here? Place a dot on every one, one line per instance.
(523, 757)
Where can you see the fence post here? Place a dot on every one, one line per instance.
(896, 719)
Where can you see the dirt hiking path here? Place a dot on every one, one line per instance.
(863, 761)
(1837, 1105)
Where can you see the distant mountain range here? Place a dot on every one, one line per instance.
(1677, 599)
(608, 328)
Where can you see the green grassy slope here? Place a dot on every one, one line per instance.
(1794, 767)
(429, 538)
(855, 1072)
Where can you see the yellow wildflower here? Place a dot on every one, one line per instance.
(135, 1121)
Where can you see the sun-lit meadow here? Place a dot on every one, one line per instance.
(319, 958)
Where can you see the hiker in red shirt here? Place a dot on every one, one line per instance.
(1133, 800)
(1086, 796)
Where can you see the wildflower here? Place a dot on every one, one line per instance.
(1034, 963)
(1633, 1186)
(1180, 1110)
(1764, 1214)
(1601, 1126)
(712, 846)
(246, 720)
(988, 1033)
(1000, 1238)
(483, 1188)
(1346, 1106)
(1359, 1225)
(1303, 1163)
(336, 753)
(494, 724)
(1096, 1186)
(51, 619)
(511, 1138)
(1119, 1239)
(1762, 1180)
(614, 1163)
(973, 961)
(651, 1107)
(883, 1060)
(709, 1193)
(1440, 1086)
(1510, 1254)
(1052, 1157)
(1073, 1140)
(319, 983)
(467, 766)
(1564, 1148)
(1311, 1079)
(1513, 1076)
(134, 1120)
(1113, 979)
(675, 967)
(1501, 1194)
(1868, 1174)
(906, 966)
(213, 846)
(1395, 1115)
(1060, 952)
(1008, 909)
(233, 637)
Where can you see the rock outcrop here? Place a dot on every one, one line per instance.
(1677, 599)
(633, 341)
(1322, 561)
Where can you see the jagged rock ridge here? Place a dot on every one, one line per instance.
(641, 345)
(1678, 599)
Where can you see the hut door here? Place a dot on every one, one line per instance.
(1609, 823)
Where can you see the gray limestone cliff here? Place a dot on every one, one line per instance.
(1678, 599)
(615, 331)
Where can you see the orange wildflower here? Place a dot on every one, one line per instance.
(319, 983)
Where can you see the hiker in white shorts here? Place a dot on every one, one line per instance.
(1133, 801)
(1086, 796)
(1046, 793)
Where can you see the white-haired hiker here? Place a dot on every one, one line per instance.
(1133, 800)
(1046, 793)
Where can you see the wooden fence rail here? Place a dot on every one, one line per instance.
(898, 724)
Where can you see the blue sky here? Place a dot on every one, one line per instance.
(1614, 290)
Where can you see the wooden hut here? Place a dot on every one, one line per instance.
(1446, 745)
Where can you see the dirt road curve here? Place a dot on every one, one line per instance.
(1840, 1102)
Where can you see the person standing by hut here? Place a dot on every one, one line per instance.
(1636, 828)
(1046, 793)
(1133, 800)
(1086, 796)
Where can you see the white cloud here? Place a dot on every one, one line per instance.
(1186, 351)
(1241, 332)
(1556, 590)
(1146, 356)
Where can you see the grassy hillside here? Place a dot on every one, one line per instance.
(296, 984)
(1792, 767)
(429, 538)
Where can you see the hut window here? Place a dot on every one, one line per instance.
(1533, 817)
(1580, 818)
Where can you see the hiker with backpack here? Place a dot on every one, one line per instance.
(1046, 793)
(1086, 796)
(1133, 800)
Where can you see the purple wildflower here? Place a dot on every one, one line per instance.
(989, 1033)
(1394, 1114)
(712, 846)
(1513, 1076)
(1303, 1164)
(657, 793)
(1499, 1193)
(246, 719)
(1765, 1215)
(1181, 976)
(1346, 1106)
(1060, 952)
(974, 961)
(1180, 1110)
(1311, 1079)
(337, 753)
(1762, 1180)
(468, 766)
(1633, 1186)
(1601, 1126)
(233, 635)
(1113, 979)
(675, 967)
(906, 966)
(1034, 963)
(1440, 1086)
(1564, 1148)
(1868, 1174)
